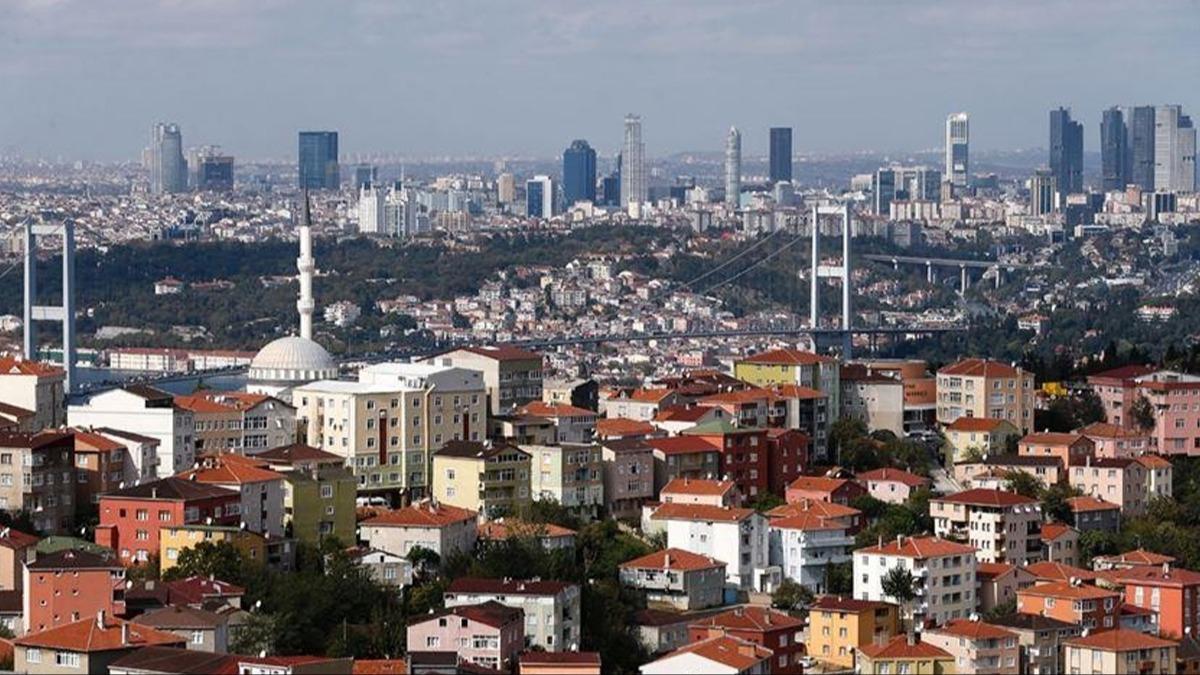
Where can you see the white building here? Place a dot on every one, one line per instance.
(805, 544)
(737, 536)
(371, 210)
(943, 572)
(539, 197)
(440, 528)
(958, 136)
(716, 656)
(1174, 150)
(681, 579)
(552, 608)
(1002, 526)
(342, 313)
(145, 411)
(37, 388)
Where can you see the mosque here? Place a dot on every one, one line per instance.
(291, 361)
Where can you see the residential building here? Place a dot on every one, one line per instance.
(131, 519)
(552, 608)
(1174, 399)
(684, 457)
(1001, 526)
(1089, 513)
(37, 388)
(492, 480)
(1046, 470)
(232, 421)
(1113, 441)
(875, 399)
(88, 645)
(559, 663)
(170, 661)
(174, 540)
(17, 549)
(572, 424)
(1160, 474)
(893, 486)
(981, 388)
(511, 375)
(744, 455)
(1119, 652)
(550, 536)
(781, 633)
(319, 492)
(838, 626)
(805, 545)
(522, 429)
(150, 412)
(999, 583)
(1121, 481)
(101, 465)
(203, 630)
(904, 655)
(1069, 448)
(1131, 560)
(1073, 601)
(1054, 571)
(1041, 639)
(737, 536)
(1060, 543)
(977, 647)
(628, 476)
(847, 516)
(806, 410)
(37, 474)
(385, 568)
(387, 425)
(488, 634)
(716, 655)
(677, 578)
(63, 587)
(819, 488)
(793, 367)
(1171, 592)
(985, 435)
(944, 573)
(438, 527)
(637, 405)
(569, 474)
(700, 491)
(141, 453)
(661, 631)
(259, 489)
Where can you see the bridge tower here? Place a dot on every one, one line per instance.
(64, 313)
(820, 271)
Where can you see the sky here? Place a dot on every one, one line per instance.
(86, 79)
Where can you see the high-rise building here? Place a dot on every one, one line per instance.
(506, 188)
(318, 161)
(1141, 147)
(781, 154)
(733, 167)
(905, 183)
(1043, 193)
(364, 175)
(958, 136)
(539, 197)
(209, 170)
(372, 218)
(1114, 150)
(579, 173)
(1174, 150)
(633, 163)
(168, 171)
(1066, 153)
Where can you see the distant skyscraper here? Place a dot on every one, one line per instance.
(364, 175)
(906, 183)
(781, 154)
(958, 136)
(633, 163)
(168, 171)
(733, 167)
(214, 171)
(1066, 153)
(318, 160)
(1043, 193)
(539, 197)
(1141, 147)
(579, 173)
(506, 188)
(1174, 150)
(372, 218)
(1114, 150)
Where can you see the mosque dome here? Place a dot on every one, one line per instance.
(292, 360)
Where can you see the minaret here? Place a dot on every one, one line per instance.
(305, 265)
(733, 167)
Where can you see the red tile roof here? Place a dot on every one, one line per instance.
(893, 475)
(560, 658)
(1136, 557)
(973, 630)
(1051, 438)
(1149, 575)
(650, 395)
(1085, 503)
(195, 590)
(838, 603)
(623, 426)
(1064, 589)
(920, 547)
(1106, 430)
(704, 512)
(986, 570)
(87, 636)
(728, 651)
(673, 559)
(898, 648)
(1120, 640)
(89, 440)
(501, 529)
(423, 514)
(697, 486)
(380, 667)
(220, 401)
(979, 368)
(1052, 531)
(986, 497)
(814, 506)
(1153, 461)
(14, 366)
(750, 618)
(1055, 571)
(233, 472)
(15, 539)
(1124, 372)
(540, 409)
(978, 424)
(682, 445)
(805, 522)
(818, 484)
(797, 391)
(787, 357)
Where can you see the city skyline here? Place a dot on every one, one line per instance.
(829, 85)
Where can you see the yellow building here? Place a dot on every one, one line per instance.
(839, 626)
(388, 423)
(981, 388)
(175, 540)
(792, 366)
(904, 655)
(986, 435)
(492, 480)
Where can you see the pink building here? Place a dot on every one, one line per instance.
(1174, 399)
(891, 485)
(489, 634)
(1116, 441)
(1069, 448)
(977, 647)
(700, 491)
(1117, 390)
(1124, 482)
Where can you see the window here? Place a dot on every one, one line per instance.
(197, 637)
(143, 514)
(65, 659)
(33, 655)
(326, 492)
(433, 641)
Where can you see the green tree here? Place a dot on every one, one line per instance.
(1024, 484)
(220, 560)
(899, 584)
(1054, 502)
(256, 635)
(791, 595)
(766, 501)
(839, 578)
(1002, 610)
(424, 560)
(1142, 413)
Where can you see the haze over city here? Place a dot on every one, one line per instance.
(83, 78)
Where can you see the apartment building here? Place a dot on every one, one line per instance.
(319, 492)
(904, 654)
(1114, 441)
(36, 388)
(677, 579)
(37, 474)
(1121, 481)
(838, 627)
(982, 388)
(69, 585)
(101, 465)
(387, 425)
(944, 573)
(1174, 400)
(552, 608)
(875, 399)
(999, 582)
(511, 375)
(571, 424)
(893, 486)
(739, 537)
(716, 655)
(152, 412)
(1068, 448)
(978, 648)
(1060, 543)
(1120, 652)
(132, 518)
(803, 546)
(431, 525)
(1072, 601)
(1172, 593)
(701, 491)
(793, 367)
(1001, 526)
(488, 634)
(779, 632)
(259, 490)
(1041, 640)
(491, 480)
(628, 476)
(235, 421)
(983, 434)
(570, 474)
(636, 405)
(684, 457)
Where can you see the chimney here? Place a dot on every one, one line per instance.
(154, 493)
(667, 561)
(100, 619)
(1166, 570)
(911, 638)
(124, 633)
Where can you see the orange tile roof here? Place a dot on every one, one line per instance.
(1153, 575)
(787, 357)
(973, 630)
(1055, 571)
(1085, 503)
(797, 391)
(14, 366)
(992, 570)
(816, 507)
(1153, 461)
(920, 547)
(380, 667)
(1064, 589)
(986, 497)
(1106, 430)
(87, 635)
(888, 474)
(503, 528)
(540, 409)
(1137, 557)
(220, 401)
(423, 514)
(898, 648)
(728, 651)
(230, 473)
(697, 486)
(623, 426)
(673, 559)
(15, 539)
(1052, 531)
(682, 445)
(650, 395)
(750, 618)
(1120, 640)
(705, 512)
(89, 440)
(979, 368)
(1051, 438)
(817, 484)
(970, 424)
(805, 522)
(738, 396)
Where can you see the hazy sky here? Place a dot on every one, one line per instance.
(87, 78)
